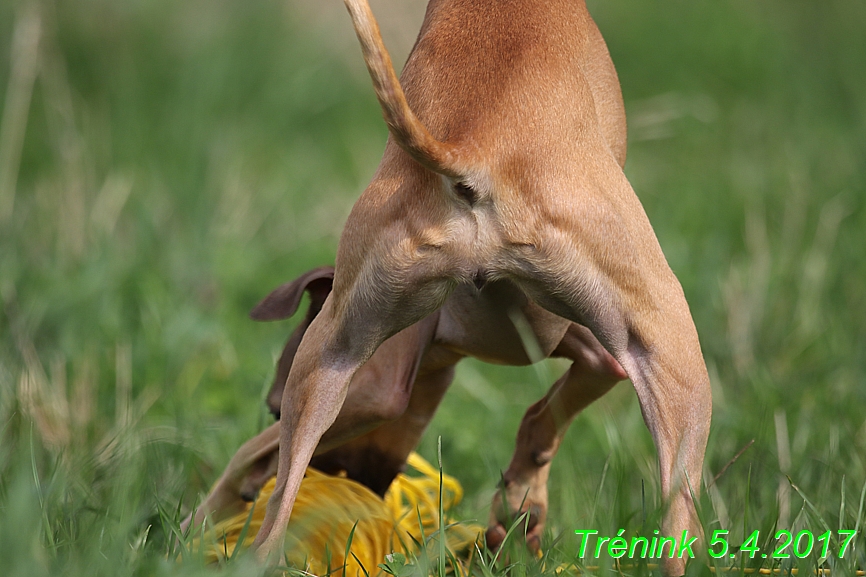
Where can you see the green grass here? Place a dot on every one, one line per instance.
(179, 160)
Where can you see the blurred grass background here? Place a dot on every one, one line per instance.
(164, 165)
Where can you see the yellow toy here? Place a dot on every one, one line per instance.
(328, 508)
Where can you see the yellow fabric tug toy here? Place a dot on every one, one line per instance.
(327, 508)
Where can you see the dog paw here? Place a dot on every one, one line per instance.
(524, 512)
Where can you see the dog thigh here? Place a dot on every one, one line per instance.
(371, 301)
(376, 458)
(383, 387)
(599, 264)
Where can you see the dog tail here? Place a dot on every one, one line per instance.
(404, 126)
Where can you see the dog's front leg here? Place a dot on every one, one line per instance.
(592, 374)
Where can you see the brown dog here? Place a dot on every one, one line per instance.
(504, 168)
(418, 362)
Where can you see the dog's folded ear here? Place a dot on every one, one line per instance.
(284, 301)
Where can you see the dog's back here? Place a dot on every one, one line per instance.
(468, 75)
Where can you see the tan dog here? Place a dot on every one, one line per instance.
(504, 164)
(419, 362)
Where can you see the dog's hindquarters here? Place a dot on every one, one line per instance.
(599, 264)
(547, 208)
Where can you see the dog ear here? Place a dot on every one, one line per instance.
(283, 302)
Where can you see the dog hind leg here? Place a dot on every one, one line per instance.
(600, 265)
(375, 459)
(355, 319)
